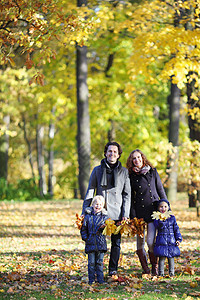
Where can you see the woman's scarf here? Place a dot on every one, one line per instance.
(143, 170)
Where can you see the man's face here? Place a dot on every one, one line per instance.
(112, 154)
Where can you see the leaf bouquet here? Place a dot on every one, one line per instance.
(161, 216)
(110, 227)
(79, 221)
(128, 228)
(140, 226)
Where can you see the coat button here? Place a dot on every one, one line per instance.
(141, 193)
(150, 191)
(142, 199)
(142, 205)
(140, 186)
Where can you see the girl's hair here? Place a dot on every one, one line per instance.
(129, 163)
(98, 197)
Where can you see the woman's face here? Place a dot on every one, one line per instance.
(137, 160)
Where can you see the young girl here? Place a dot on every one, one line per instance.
(95, 242)
(168, 237)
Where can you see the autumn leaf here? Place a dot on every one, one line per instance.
(109, 228)
(79, 221)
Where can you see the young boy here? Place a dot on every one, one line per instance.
(95, 242)
(168, 237)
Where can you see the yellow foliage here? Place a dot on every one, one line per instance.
(161, 216)
(109, 228)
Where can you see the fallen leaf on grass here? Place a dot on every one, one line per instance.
(10, 290)
(195, 294)
(193, 284)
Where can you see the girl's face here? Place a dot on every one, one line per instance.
(137, 160)
(163, 207)
(97, 206)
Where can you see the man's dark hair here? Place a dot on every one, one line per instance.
(113, 144)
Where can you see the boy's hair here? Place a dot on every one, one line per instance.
(98, 197)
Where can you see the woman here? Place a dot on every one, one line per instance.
(146, 190)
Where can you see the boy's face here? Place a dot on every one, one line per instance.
(97, 206)
(163, 207)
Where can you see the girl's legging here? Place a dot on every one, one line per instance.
(161, 265)
(151, 234)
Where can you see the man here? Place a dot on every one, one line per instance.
(111, 180)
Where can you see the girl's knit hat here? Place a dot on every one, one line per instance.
(164, 200)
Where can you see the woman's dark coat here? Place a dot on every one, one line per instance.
(146, 190)
(91, 232)
(168, 234)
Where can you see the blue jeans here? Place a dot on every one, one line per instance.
(95, 266)
(115, 252)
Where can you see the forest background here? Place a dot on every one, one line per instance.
(75, 75)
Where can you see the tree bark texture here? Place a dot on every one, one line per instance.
(174, 117)
(30, 156)
(40, 159)
(194, 126)
(4, 146)
(83, 119)
(51, 155)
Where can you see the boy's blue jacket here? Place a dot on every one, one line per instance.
(91, 232)
(168, 234)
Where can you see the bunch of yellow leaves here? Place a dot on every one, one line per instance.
(140, 226)
(124, 228)
(161, 216)
(130, 228)
(79, 221)
(110, 227)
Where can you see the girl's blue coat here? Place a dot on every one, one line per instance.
(91, 232)
(168, 234)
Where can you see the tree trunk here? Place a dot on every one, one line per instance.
(83, 118)
(4, 146)
(111, 131)
(51, 155)
(174, 117)
(40, 159)
(194, 125)
(30, 157)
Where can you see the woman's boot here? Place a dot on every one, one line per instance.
(143, 260)
(154, 263)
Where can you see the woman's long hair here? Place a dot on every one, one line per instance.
(129, 163)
